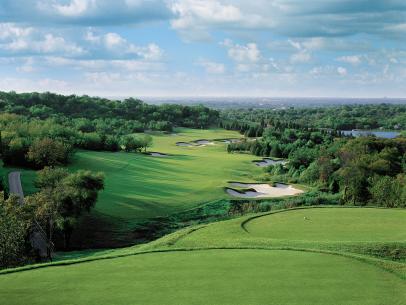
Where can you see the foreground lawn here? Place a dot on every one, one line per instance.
(257, 259)
(208, 277)
(140, 186)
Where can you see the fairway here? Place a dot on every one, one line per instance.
(208, 277)
(332, 224)
(140, 186)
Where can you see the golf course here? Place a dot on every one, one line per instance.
(140, 186)
(249, 260)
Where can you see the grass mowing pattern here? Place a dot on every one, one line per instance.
(140, 186)
(240, 268)
(208, 277)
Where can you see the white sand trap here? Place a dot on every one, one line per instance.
(183, 144)
(229, 141)
(204, 142)
(159, 155)
(268, 162)
(263, 190)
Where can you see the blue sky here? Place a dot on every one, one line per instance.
(289, 48)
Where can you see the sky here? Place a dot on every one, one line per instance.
(268, 48)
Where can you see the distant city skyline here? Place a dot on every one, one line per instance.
(205, 48)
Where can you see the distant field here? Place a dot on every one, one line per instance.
(221, 263)
(140, 186)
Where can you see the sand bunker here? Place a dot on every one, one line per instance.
(157, 154)
(262, 190)
(229, 141)
(204, 142)
(183, 144)
(268, 161)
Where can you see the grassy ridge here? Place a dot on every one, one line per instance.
(243, 267)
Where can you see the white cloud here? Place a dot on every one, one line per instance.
(342, 71)
(300, 57)
(242, 53)
(195, 18)
(101, 65)
(17, 39)
(212, 67)
(10, 30)
(74, 8)
(118, 45)
(352, 59)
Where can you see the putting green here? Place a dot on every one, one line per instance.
(140, 186)
(208, 277)
(332, 224)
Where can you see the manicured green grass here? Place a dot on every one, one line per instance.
(208, 277)
(139, 186)
(332, 224)
(238, 261)
(359, 230)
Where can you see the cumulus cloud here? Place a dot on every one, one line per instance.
(84, 12)
(342, 71)
(300, 57)
(242, 53)
(351, 59)
(74, 8)
(26, 40)
(116, 44)
(212, 67)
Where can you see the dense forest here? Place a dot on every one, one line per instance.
(348, 117)
(43, 129)
(364, 170)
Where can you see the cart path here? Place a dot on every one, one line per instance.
(14, 182)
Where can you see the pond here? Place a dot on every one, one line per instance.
(378, 134)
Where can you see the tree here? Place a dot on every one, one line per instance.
(136, 143)
(353, 182)
(64, 198)
(14, 227)
(387, 191)
(48, 152)
(146, 141)
(131, 143)
(50, 177)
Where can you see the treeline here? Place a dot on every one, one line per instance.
(43, 129)
(299, 145)
(348, 117)
(365, 170)
(99, 111)
(37, 143)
